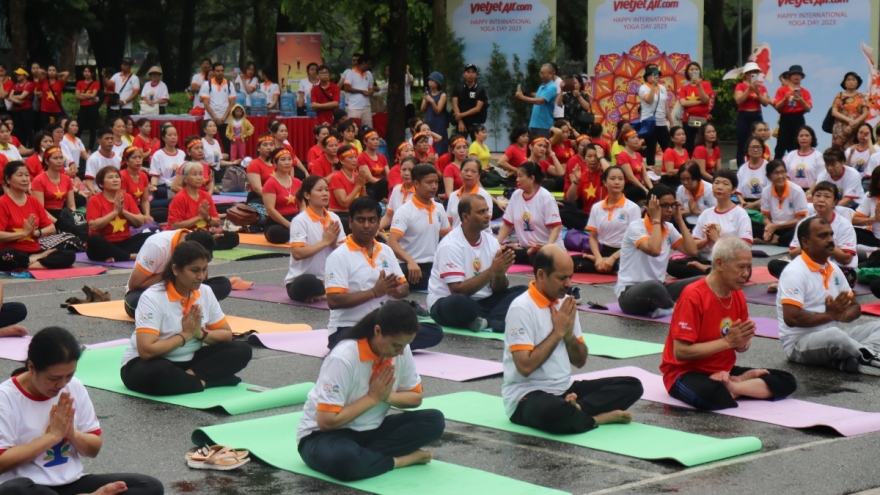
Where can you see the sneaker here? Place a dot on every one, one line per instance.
(575, 293)
(481, 324)
(661, 313)
(849, 365)
(420, 311)
(868, 367)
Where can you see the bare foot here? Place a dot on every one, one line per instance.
(417, 457)
(13, 331)
(322, 297)
(721, 376)
(700, 266)
(109, 260)
(34, 259)
(772, 288)
(749, 375)
(622, 417)
(111, 489)
(572, 398)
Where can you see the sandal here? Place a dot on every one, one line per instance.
(219, 460)
(205, 451)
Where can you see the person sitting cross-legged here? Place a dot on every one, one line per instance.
(710, 324)
(542, 341)
(469, 286)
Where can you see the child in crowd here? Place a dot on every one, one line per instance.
(238, 132)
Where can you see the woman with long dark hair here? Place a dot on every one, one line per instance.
(165, 162)
(89, 104)
(696, 97)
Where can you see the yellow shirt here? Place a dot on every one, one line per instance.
(481, 152)
(616, 149)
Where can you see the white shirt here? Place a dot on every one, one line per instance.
(398, 197)
(156, 252)
(533, 218)
(636, 266)
(220, 97)
(213, 152)
(361, 81)
(844, 235)
(734, 222)
(72, 150)
(164, 166)
(528, 323)
(11, 153)
(199, 79)
(873, 163)
(791, 205)
(345, 377)
(349, 269)
(704, 198)
(455, 198)
(271, 90)
(803, 284)
(656, 109)
(860, 160)
(305, 88)
(803, 169)
(155, 93)
(307, 229)
(458, 260)
(25, 418)
(752, 181)
(119, 149)
(849, 184)
(558, 110)
(420, 227)
(98, 161)
(125, 87)
(866, 210)
(609, 223)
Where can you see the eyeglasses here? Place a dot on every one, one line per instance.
(667, 206)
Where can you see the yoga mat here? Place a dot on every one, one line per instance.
(15, 348)
(633, 440)
(433, 364)
(791, 413)
(273, 440)
(235, 194)
(872, 309)
(768, 250)
(115, 310)
(520, 269)
(227, 198)
(766, 327)
(79, 271)
(82, 258)
(238, 253)
(258, 240)
(275, 294)
(99, 368)
(760, 275)
(499, 191)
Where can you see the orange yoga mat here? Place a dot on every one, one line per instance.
(115, 310)
(258, 240)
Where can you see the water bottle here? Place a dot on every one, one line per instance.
(342, 100)
(259, 106)
(288, 103)
(241, 98)
(309, 112)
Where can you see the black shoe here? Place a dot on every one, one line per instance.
(420, 311)
(575, 293)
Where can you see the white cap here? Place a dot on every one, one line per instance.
(751, 66)
(246, 161)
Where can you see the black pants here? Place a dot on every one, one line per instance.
(698, 390)
(459, 310)
(220, 286)
(644, 297)
(277, 233)
(571, 213)
(137, 484)
(378, 190)
(681, 270)
(47, 118)
(227, 240)
(221, 135)
(786, 140)
(422, 284)
(659, 136)
(350, 455)
(866, 238)
(522, 256)
(23, 122)
(690, 137)
(159, 376)
(785, 235)
(584, 265)
(744, 121)
(551, 413)
(98, 248)
(88, 121)
(12, 313)
(12, 259)
(429, 335)
(305, 287)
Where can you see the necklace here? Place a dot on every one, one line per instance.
(350, 179)
(720, 300)
(289, 181)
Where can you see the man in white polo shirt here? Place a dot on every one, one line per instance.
(813, 300)
(542, 341)
(418, 226)
(469, 286)
(361, 274)
(218, 96)
(358, 85)
(128, 88)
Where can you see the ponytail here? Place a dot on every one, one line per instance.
(392, 318)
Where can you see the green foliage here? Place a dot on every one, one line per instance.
(724, 112)
(502, 86)
(519, 110)
(452, 66)
(179, 104)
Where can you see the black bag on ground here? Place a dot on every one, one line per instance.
(73, 222)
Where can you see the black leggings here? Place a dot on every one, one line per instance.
(159, 376)
(137, 484)
(786, 140)
(700, 391)
(98, 248)
(645, 297)
(277, 233)
(23, 122)
(584, 265)
(552, 413)
(866, 238)
(785, 235)
(659, 136)
(13, 259)
(422, 284)
(572, 215)
(220, 286)
(459, 310)
(12, 313)
(305, 287)
(681, 270)
(88, 121)
(227, 240)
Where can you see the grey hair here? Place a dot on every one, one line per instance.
(727, 247)
(185, 168)
(550, 66)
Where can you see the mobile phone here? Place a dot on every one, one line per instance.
(797, 92)
(754, 77)
(595, 305)
(519, 88)
(236, 70)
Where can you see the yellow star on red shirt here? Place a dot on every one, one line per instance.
(118, 224)
(291, 200)
(692, 97)
(591, 191)
(25, 238)
(201, 224)
(59, 194)
(138, 193)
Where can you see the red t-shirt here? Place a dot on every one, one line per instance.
(691, 92)
(285, 197)
(155, 147)
(20, 88)
(142, 144)
(394, 177)
(606, 148)
(321, 167)
(118, 228)
(325, 116)
(751, 104)
(314, 153)
(572, 163)
(339, 181)
(34, 165)
(377, 167)
(109, 87)
(516, 156)
(51, 92)
(183, 207)
(545, 164)
(82, 86)
(135, 190)
(54, 195)
(701, 153)
(678, 160)
(263, 169)
(635, 163)
(563, 151)
(591, 190)
(782, 94)
(12, 218)
(441, 163)
(8, 85)
(453, 171)
(16, 143)
(700, 317)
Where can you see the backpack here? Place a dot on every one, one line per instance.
(235, 179)
(73, 222)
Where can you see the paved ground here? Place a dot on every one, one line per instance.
(150, 437)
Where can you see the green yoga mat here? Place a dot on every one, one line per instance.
(99, 368)
(633, 440)
(273, 439)
(237, 254)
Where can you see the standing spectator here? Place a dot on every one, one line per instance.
(469, 101)
(558, 109)
(89, 104)
(35, 100)
(270, 88)
(434, 108)
(792, 102)
(248, 81)
(155, 93)
(51, 86)
(305, 88)
(197, 80)
(359, 87)
(409, 109)
(129, 87)
(850, 108)
(750, 95)
(653, 102)
(6, 84)
(218, 96)
(697, 98)
(542, 111)
(575, 105)
(22, 108)
(325, 96)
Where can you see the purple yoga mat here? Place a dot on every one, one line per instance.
(15, 348)
(791, 413)
(433, 364)
(759, 295)
(275, 294)
(223, 198)
(766, 327)
(82, 258)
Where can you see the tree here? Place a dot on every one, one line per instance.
(451, 65)
(519, 110)
(499, 76)
(398, 34)
(18, 31)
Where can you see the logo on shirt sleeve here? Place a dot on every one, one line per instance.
(792, 291)
(516, 332)
(331, 388)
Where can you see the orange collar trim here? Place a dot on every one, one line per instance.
(663, 230)
(540, 299)
(826, 271)
(349, 242)
(173, 296)
(475, 190)
(427, 207)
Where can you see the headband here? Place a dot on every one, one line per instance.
(129, 151)
(457, 140)
(401, 146)
(349, 152)
(280, 153)
(581, 138)
(192, 143)
(53, 149)
(330, 139)
(266, 139)
(370, 134)
(538, 140)
(419, 135)
(628, 134)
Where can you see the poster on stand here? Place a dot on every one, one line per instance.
(295, 52)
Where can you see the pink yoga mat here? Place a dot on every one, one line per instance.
(791, 413)
(767, 327)
(79, 271)
(223, 198)
(15, 348)
(433, 364)
(520, 269)
(872, 309)
(275, 294)
(759, 295)
(82, 258)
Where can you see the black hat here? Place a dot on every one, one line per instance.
(471, 66)
(127, 61)
(858, 78)
(796, 69)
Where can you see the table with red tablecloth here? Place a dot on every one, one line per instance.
(186, 125)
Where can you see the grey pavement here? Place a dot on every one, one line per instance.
(149, 437)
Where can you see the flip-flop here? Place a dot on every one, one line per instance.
(205, 451)
(219, 460)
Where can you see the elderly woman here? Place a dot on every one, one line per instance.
(110, 214)
(850, 108)
(193, 208)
